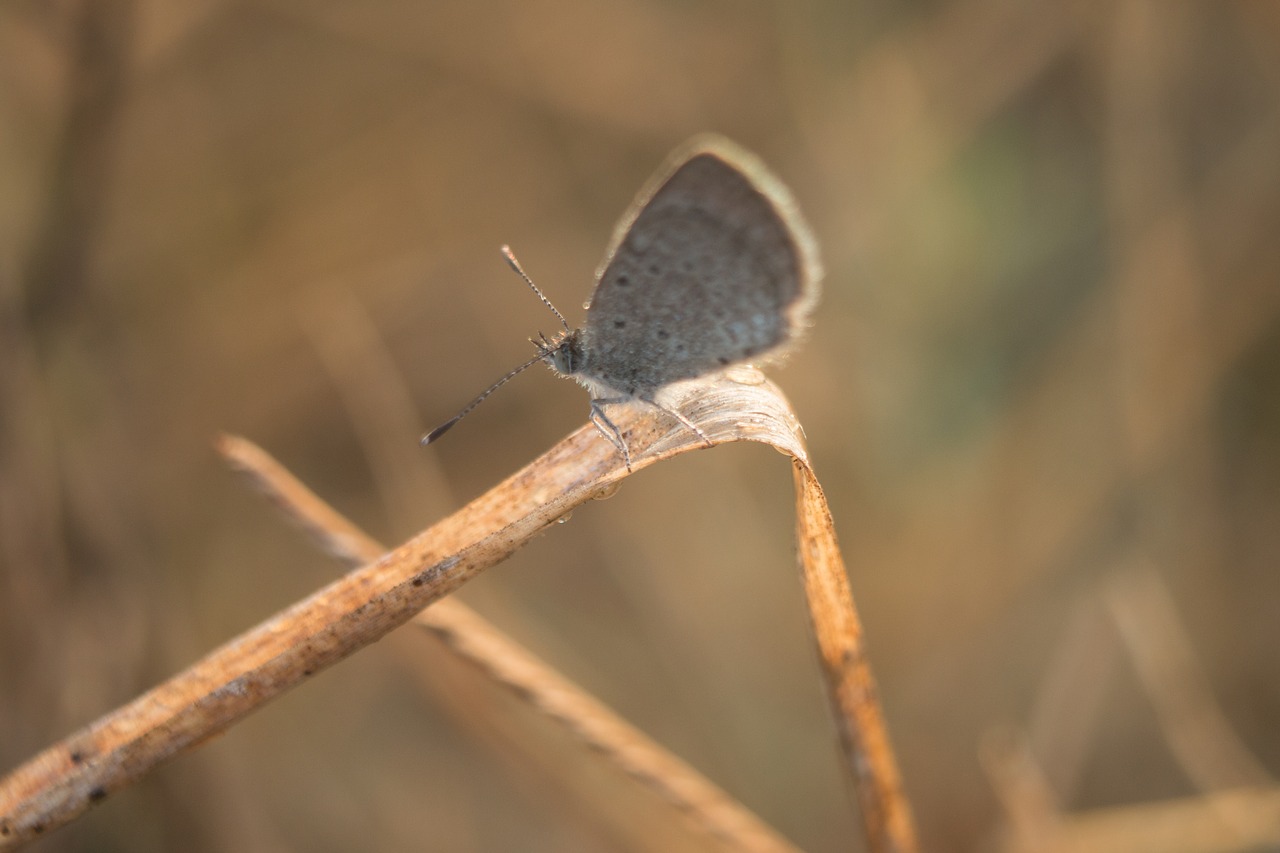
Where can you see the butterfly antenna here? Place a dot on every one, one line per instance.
(444, 427)
(515, 265)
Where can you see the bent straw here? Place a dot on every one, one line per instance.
(529, 679)
(361, 607)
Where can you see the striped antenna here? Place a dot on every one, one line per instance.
(545, 348)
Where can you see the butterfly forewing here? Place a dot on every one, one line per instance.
(710, 269)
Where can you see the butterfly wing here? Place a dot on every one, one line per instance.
(711, 266)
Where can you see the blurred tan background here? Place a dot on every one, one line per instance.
(1042, 392)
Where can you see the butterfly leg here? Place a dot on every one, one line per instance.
(608, 428)
(678, 415)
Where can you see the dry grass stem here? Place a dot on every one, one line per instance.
(1240, 810)
(531, 680)
(1030, 807)
(1236, 821)
(1195, 726)
(850, 684)
(370, 601)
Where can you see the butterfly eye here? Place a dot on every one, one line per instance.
(567, 357)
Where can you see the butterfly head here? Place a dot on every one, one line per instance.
(564, 352)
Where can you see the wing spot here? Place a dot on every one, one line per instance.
(622, 281)
(663, 334)
(619, 324)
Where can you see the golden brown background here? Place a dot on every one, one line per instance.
(1042, 392)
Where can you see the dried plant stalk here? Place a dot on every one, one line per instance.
(1197, 729)
(1240, 820)
(473, 638)
(364, 605)
(851, 686)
